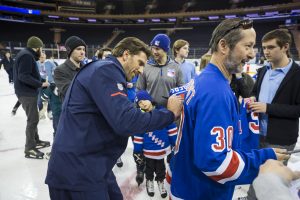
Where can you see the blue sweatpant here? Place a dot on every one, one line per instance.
(111, 192)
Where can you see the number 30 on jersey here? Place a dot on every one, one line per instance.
(223, 138)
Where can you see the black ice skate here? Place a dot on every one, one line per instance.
(42, 144)
(161, 188)
(34, 153)
(14, 111)
(119, 162)
(139, 159)
(48, 155)
(150, 188)
(139, 177)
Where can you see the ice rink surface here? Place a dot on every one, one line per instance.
(23, 179)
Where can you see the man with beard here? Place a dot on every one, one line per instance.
(208, 161)
(95, 123)
(27, 81)
(64, 73)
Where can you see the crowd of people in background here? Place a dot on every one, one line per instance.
(220, 128)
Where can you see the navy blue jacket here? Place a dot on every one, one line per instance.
(27, 77)
(94, 126)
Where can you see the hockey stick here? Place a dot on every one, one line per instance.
(292, 152)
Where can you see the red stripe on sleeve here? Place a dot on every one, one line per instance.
(231, 169)
(118, 93)
(138, 139)
(174, 131)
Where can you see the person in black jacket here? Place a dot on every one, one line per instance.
(242, 85)
(8, 63)
(27, 82)
(277, 91)
(65, 72)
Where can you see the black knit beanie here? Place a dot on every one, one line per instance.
(34, 42)
(73, 42)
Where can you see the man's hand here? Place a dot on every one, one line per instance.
(258, 107)
(278, 168)
(175, 105)
(280, 154)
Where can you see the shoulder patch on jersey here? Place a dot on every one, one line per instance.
(120, 86)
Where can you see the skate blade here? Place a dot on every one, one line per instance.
(41, 147)
(119, 165)
(34, 157)
(151, 195)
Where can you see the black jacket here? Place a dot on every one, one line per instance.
(243, 86)
(27, 78)
(63, 76)
(8, 64)
(284, 110)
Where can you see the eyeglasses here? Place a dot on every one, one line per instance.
(245, 24)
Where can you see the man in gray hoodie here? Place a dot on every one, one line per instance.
(161, 73)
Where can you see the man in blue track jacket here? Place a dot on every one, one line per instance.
(95, 123)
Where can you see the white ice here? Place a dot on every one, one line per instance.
(23, 179)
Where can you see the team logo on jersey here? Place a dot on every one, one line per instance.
(120, 86)
(171, 73)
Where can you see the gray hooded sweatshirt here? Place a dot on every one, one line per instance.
(158, 80)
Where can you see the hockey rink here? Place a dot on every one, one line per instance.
(23, 179)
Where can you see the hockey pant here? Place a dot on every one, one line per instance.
(155, 166)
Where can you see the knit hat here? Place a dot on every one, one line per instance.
(142, 95)
(34, 42)
(162, 41)
(72, 43)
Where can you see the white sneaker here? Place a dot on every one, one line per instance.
(161, 188)
(150, 188)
